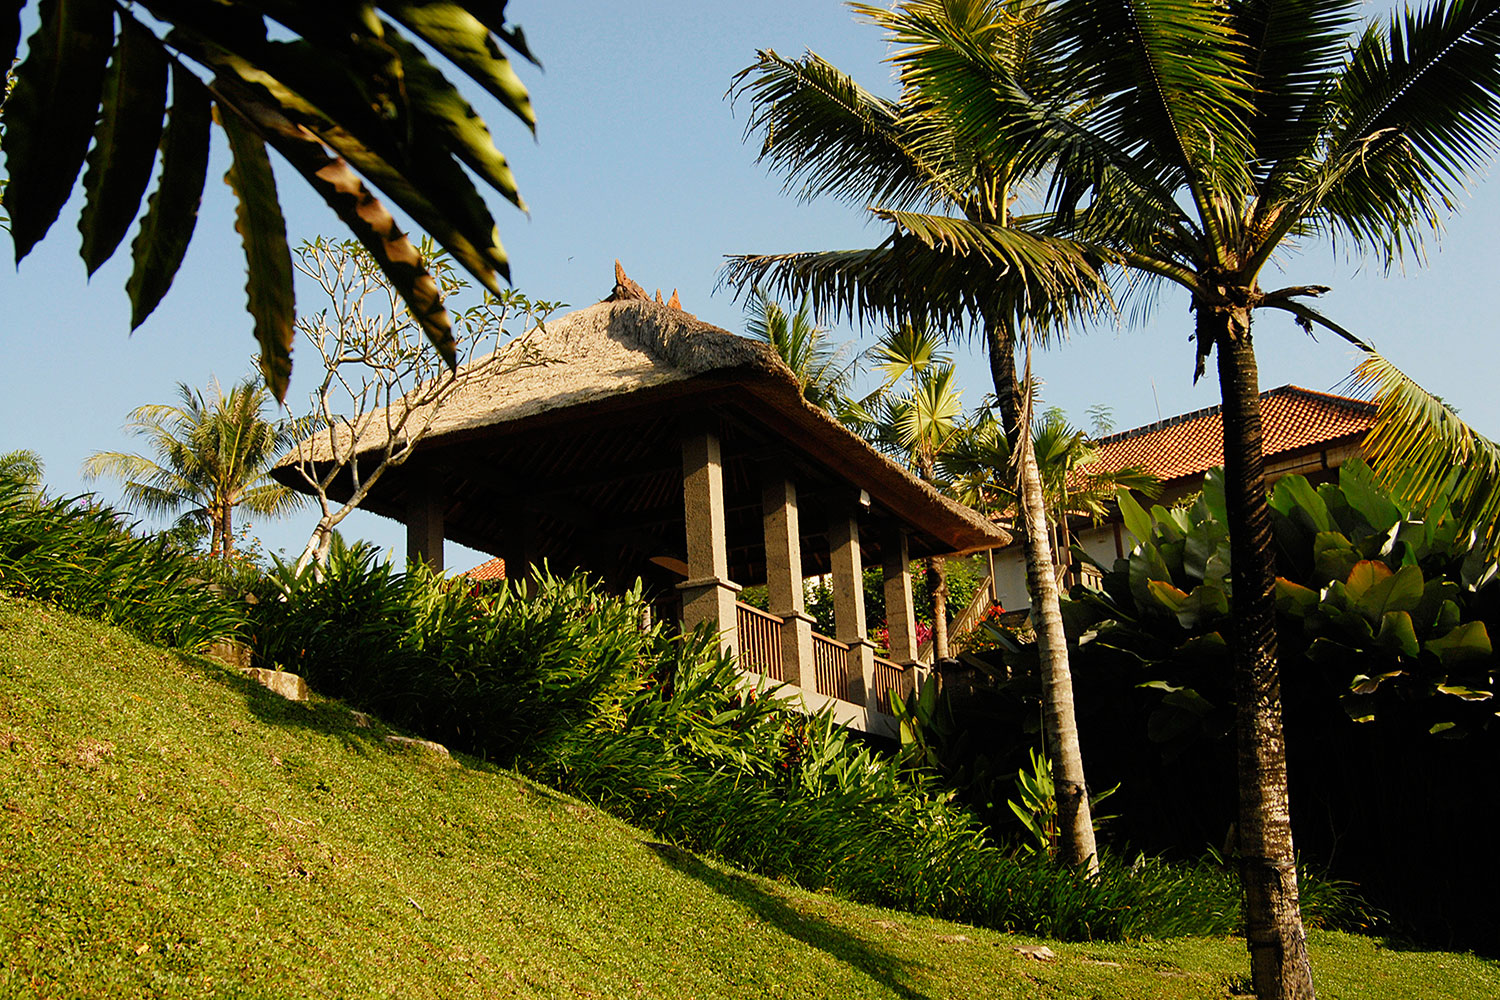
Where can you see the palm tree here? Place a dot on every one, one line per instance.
(1193, 141)
(979, 470)
(344, 95)
(821, 369)
(213, 454)
(904, 158)
(918, 425)
(22, 466)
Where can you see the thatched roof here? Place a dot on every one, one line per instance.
(633, 355)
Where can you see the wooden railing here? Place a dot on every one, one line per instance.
(978, 604)
(760, 642)
(888, 677)
(830, 667)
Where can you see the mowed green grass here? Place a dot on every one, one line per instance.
(169, 829)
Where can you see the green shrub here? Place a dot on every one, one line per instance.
(77, 555)
(656, 728)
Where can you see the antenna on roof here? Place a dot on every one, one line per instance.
(1158, 401)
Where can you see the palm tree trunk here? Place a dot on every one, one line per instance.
(937, 586)
(1273, 921)
(1076, 846)
(937, 579)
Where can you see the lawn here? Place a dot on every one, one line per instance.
(172, 830)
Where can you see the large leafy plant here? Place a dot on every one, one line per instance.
(1383, 608)
(341, 91)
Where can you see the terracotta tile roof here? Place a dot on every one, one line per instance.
(492, 570)
(1292, 418)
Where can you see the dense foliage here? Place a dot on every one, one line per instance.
(81, 558)
(568, 687)
(1380, 608)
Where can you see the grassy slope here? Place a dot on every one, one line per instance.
(170, 829)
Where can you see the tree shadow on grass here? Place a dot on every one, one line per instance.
(361, 733)
(879, 965)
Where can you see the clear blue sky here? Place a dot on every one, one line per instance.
(639, 156)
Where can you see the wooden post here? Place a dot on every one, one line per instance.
(707, 593)
(779, 517)
(424, 528)
(849, 605)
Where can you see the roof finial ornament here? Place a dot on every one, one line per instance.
(625, 288)
(674, 302)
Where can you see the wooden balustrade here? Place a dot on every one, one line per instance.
(831, 667)
(760, 642)
(888, 677)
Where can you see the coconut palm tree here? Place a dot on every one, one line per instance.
(904, 160)
(1193, 142)
(342, 93)
(213, 455)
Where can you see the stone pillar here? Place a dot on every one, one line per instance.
(849, 605)
(424, 528)
(778, 504)
(900, 612)
(707, 594)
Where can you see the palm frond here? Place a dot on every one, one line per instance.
(830, 136)
(1426, 456)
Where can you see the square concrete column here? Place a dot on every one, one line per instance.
(900, 611)
(707, 594)
(849, 605)
(778, 504)
(424, 528)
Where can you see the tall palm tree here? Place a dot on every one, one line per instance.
(342, 91)
(213, 455)
(1193, 142)
(905, 160)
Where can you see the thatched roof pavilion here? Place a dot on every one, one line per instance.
(650, 444)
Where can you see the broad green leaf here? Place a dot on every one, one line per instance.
(1166, 595)
(1213, 494)
(1145, 566)
(1438, 728)
(1293, 598)
(464, 40)
(1396, 633)
(1333, 557)
(172, 210)
(1295, 498)
(1362, 684)
(1469, 641)
(49, 117)
(1204, 541)
(1435, 593)
(1137, 521)
(1386, 591)
(1206, 603)
(1358, 708)
(1325, 650)
(130, 126)
(268, 258)
(1467, 694)
(1208, 649)
(1357, 483)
